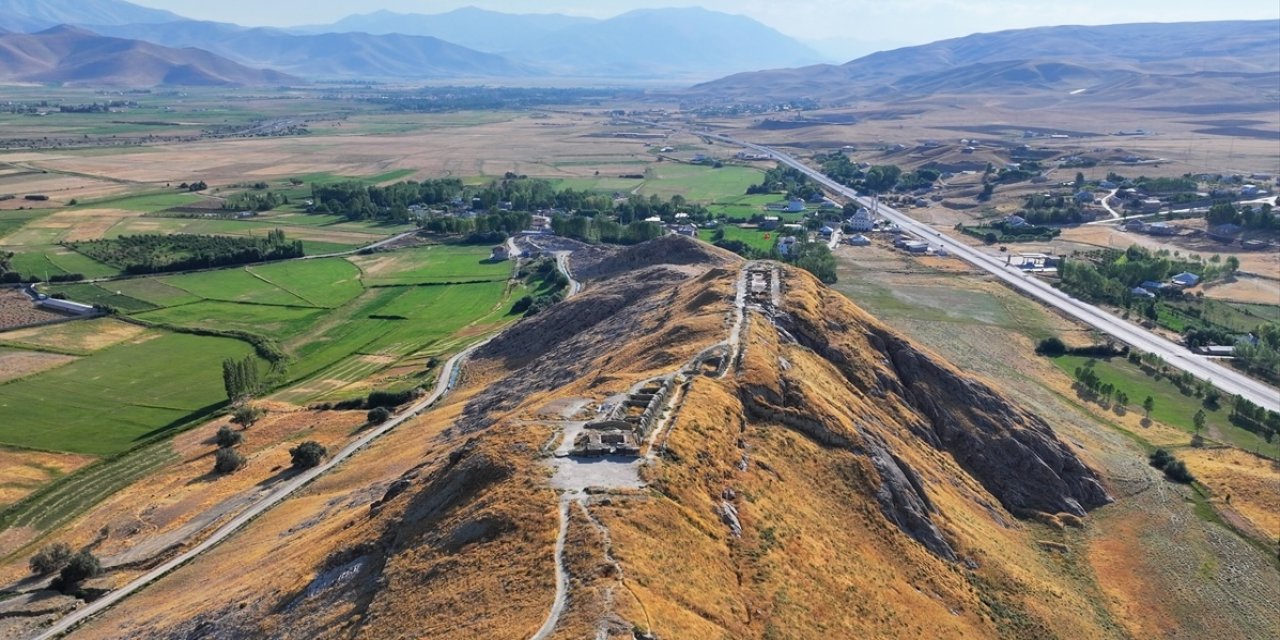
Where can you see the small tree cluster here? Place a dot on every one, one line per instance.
(228, 437)
(378, 415)
(1174, 469)
(240, 378)
(80, 567)
(227, 460)
(247, 415)
(308, 454)
(50, 558)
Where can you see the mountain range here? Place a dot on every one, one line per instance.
(676, 45)
(73, 56)
(1118, 61)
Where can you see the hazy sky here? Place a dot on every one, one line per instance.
(872, 21)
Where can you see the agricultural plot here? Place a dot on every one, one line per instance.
(234, 285)
(327, 282)
(698, 183)
(434, 264)
(762, 240)
(148, 384)
(267, 320)
(105, 295)
(81, 337)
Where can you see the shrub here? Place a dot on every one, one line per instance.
(50, 558)
(1160, 458)
(1051, 347)
(379, 415)
(1177, 472)
(227, 437)
(227, 461)
(308, 454)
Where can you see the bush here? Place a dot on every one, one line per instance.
(227, 437)
(80, 567)
(1160, 458)
(50, 558)
(308, 454)
(379, 415)
(1177, 472)
(227, 461)
(1051, 347)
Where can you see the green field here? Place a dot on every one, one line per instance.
(762, 240)
(698, 183)
(431, 265)
(1171, 406)
(326, 282)
(108, 402)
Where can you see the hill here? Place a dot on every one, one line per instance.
(72, 56)
(811, 474)
(470, 27)
(328, 55)
(1127, 61)
(36, 15)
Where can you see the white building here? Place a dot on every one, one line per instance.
(861, 220)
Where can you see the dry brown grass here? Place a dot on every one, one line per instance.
(16, 310)
(19, 364)
(81, 335)
(1251, 483)
(1244, 289)
(25, 471)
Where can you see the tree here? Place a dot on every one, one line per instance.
(308, 454)
(227, 438)
(50, 558)
(247, 415)
(1199, 420)
(80, 567)
(379, 415)
(1148, 405)
(1079, 180)
(227, 461)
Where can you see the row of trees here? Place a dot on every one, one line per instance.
(1263, 217)
(157, 253)
(240, 378)
(599, 229)
(251, 201)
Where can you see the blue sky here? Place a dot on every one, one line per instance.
(898, 22)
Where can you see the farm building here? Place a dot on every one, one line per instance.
(500, 253)
(66, 306)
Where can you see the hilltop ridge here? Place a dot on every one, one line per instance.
(777, 429)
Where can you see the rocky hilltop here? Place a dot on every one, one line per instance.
(693, 447)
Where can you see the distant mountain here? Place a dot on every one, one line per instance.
(470, 27)
(666, 43)
(74, 56)
(34, 15)
(652, 43)
(1129, 60)
(328, 55)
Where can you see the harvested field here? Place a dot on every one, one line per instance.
(24, 471)
(1245, 289)
(16, 364)
(84, 336)
(17, 310)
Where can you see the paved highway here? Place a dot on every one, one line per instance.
(1227, 380)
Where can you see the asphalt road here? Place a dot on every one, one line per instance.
(443, 385)
(1227, 380)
